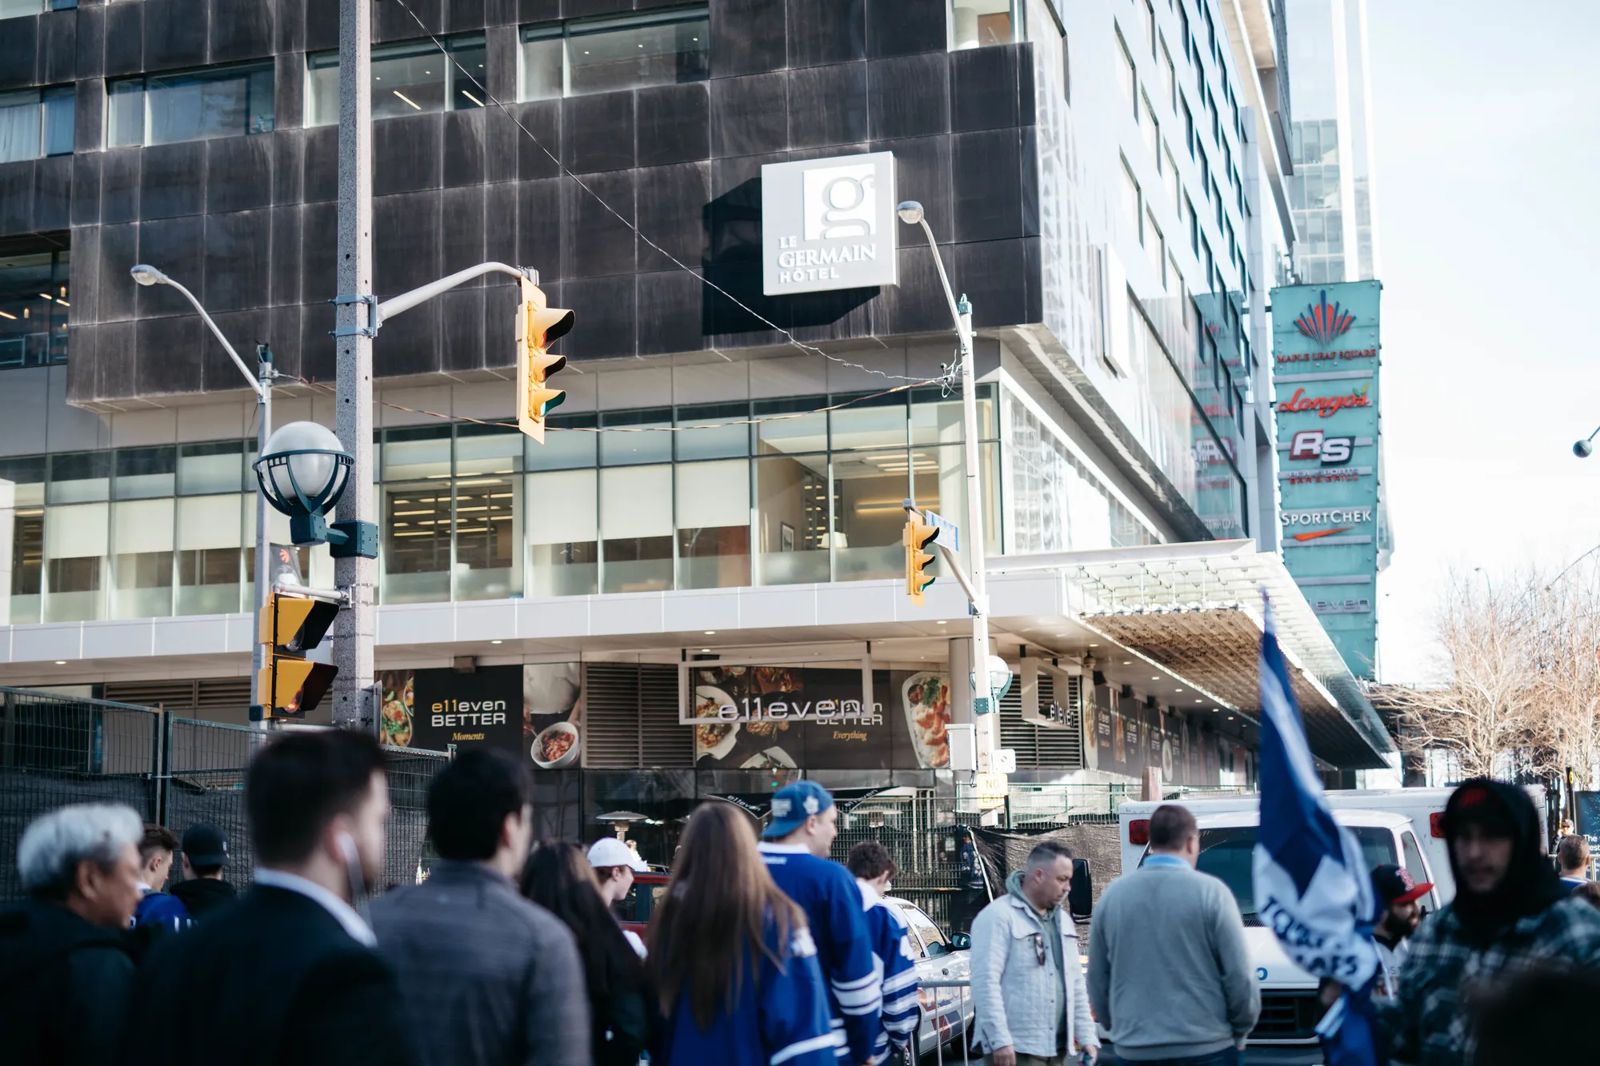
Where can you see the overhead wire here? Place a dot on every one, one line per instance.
(948, 381)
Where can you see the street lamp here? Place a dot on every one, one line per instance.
(912, 214)
(1585, 447)
(261, 385)
(303, 470)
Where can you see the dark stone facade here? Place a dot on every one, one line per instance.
(248, 222)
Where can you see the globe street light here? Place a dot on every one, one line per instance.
(261, 384)
(302, 471)
(1585, 447)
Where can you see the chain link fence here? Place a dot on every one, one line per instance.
(57, 750)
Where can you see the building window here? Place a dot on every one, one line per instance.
(407, 78)
(1174, 183)
(15, 9)
(1169, 78)
(1188, 129)
(978, 23)
(636, 528)
(1151, 130)
(34, 306)
(604, 55)
(194, 105)
(1129, 79)
(36, 123)
(1132, 210)
(1148, 15)
(713, 524)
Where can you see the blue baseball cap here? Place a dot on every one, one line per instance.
(793, 804)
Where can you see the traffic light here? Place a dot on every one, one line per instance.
(289, 683)
(918, 536)
(538, 327)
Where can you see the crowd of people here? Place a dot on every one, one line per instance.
(758, 952)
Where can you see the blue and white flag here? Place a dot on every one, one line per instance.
(1312, 885)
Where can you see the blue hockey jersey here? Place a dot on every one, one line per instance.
(832, 902)
(891, 946)
(781, 1019)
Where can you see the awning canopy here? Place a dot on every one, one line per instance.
(1195, 609)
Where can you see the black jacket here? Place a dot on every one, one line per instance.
(202, 895)
(64, 987)
(274, 979)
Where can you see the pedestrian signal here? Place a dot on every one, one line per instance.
(289, 683)
(918, 536)
(538, 327)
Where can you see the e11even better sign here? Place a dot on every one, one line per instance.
(828, 224)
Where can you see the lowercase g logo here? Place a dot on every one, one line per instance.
(840, 202)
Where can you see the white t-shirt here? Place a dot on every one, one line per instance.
(636, 940)
(1390, 960)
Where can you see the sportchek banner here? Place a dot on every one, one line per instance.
(1325, 360)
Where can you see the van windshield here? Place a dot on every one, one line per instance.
(1227, 854)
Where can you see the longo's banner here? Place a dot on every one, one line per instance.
(1325, 359)
(534, 711)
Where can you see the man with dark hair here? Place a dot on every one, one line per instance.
(1510, 915)
(157, 909)
(205, 853)
(1167, 934)
(874, 869)
(65, 973)
(1027, 983)
(489, 978)
(1398, 894)
(288, 974)
(974, 893)
(1572, 857)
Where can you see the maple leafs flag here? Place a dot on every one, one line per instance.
(1312, 885)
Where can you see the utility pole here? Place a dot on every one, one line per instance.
(355, 322)
(984, 715)
(264, 374)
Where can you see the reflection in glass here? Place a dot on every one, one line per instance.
(563, 532)
(635, 52)
(216, 466)
(879, 422)
(20, 117)
(210, 534)
(408, 78)
(79, 476)
(542, 76)
(978, 23)
(144, 473)
(637, 435)
(75, 539)
(166, 108)
(868, 514)
(796, 430)
(488, 538)
(792, 519)
(636, 528)
(33, 306)
(713, 520)
(708, 437)
(416, 541)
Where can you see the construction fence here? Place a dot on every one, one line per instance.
(57, 750)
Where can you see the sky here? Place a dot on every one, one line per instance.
(1487, 123)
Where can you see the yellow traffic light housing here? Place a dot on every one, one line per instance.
(290, 684)
(917, 537)
(538, 327)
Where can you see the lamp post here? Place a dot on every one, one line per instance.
(261, 384)
(911, 214)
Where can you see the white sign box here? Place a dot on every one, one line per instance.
(828, 224)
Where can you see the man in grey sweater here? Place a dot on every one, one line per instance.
(1169, 977)
(486, 978)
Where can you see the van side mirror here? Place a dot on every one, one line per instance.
(1080, 897)
(960, 942)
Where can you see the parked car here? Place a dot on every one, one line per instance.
(946, 1011)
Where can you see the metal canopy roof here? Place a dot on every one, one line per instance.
(1195, 609)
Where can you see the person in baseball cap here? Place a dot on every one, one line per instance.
(614, 866)
(792, 806)
(1402, 913)
(205, 852)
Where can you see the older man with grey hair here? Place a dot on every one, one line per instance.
(65, 975)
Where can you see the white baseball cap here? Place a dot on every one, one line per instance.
(610, 851)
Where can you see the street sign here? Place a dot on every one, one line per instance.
(949, 532)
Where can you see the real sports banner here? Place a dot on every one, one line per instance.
(1325, 361)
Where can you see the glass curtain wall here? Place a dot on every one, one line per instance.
(34, 304)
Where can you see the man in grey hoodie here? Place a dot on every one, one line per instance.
(1169, 976)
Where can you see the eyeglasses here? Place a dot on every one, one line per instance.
(1038, 947)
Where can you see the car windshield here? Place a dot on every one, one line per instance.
(1227, 854)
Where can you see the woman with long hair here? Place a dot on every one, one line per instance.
(558, 878)
(731, 958)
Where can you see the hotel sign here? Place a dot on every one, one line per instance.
(828, 224)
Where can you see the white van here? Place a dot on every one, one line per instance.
(1399, 826)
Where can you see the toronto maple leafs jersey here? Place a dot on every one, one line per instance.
(834, 910)
(891, 946)
(783, 1018)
